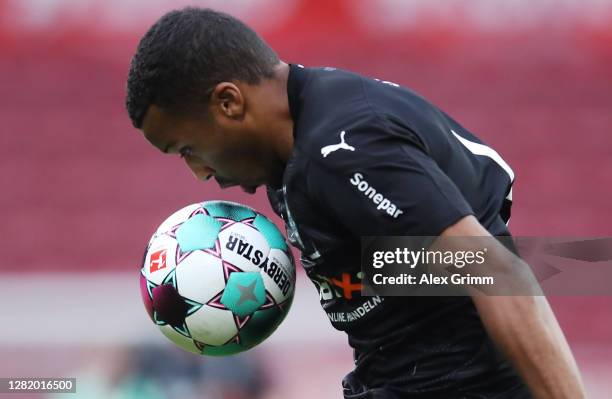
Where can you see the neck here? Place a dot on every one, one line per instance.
(283, 132)
(275, 122)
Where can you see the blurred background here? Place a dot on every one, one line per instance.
(82, 190)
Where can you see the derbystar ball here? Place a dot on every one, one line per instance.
(217, 278)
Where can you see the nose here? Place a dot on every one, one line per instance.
(200, 170)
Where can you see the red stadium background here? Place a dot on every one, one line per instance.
(82, 190)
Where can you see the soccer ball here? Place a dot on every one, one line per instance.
(217, 278)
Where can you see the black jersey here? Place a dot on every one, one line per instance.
(373, 158)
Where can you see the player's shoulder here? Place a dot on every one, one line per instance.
(334, 110)
(333, 82)
(334, 102)
(331, 98)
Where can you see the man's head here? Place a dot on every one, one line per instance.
(192, 87)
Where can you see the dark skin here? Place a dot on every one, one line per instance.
(244, 137)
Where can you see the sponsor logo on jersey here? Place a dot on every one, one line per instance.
(357, 312)
(382, 203)
(157, 261)
(346, 286)
(328, 149)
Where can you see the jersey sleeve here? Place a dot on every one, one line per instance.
(385, 185)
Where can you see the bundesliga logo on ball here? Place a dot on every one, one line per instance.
(217, 278)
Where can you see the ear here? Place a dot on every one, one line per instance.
(227, 100)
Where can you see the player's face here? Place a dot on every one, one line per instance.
(212, 146)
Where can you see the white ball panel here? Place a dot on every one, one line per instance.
(176, 218)
(239, 244)
(156, 269)
(199, 276)
(179, 339)
(211, 325)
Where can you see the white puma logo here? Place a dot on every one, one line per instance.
(328, 149)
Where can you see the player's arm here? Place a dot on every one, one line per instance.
(524, 327)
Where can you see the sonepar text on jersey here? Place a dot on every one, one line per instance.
(382, 203)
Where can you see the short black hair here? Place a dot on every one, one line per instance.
(186, 53)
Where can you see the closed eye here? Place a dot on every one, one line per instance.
(185, 152)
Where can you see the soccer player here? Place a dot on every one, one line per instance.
(344, 156)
